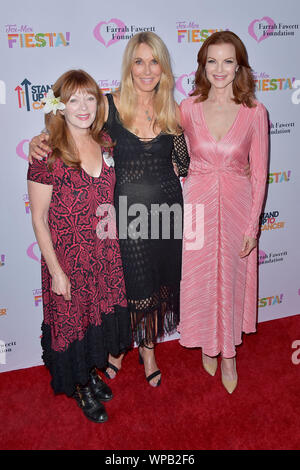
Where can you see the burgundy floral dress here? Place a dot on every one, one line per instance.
(78, 334)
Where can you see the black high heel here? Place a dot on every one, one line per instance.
(112, 367)
(154, 374)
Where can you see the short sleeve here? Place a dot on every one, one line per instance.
(39, 172)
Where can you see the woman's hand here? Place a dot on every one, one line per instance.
(61, 285)
(248, 171)
(38, 147)
(248, 244)
(175, 169)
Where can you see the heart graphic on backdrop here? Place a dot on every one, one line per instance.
(257, 34)
(262, 256)
(33, 252)
(105, 37)
(20, 149)
(184, 84)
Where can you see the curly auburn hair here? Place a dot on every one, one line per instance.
(243, 85)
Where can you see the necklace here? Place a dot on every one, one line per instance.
(148, 117)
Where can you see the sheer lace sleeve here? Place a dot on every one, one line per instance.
(180, 155)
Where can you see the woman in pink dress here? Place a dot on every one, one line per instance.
(224, 126)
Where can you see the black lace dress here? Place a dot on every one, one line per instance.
(149, 209)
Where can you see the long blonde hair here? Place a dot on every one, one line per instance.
(164, 104)
(60, 138)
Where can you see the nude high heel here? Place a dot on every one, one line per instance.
(210, 366)
(229, 385)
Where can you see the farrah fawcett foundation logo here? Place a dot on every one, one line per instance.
(271, 257)
(266, 27)
(114, 30)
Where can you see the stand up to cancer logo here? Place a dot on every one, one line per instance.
(29, 96)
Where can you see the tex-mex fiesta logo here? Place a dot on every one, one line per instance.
(26, 203)
(29, 95)
(114, 30)
(266, 27)
(271, 300)
(189, 31)
(37, 297)
(264, 82)
(108, 86)
(24, 36)
(279, 177)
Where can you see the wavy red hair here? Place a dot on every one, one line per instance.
(243, 85)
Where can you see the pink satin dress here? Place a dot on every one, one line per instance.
(218, 299)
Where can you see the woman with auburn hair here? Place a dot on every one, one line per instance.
(84, 300)
(224, 126)
(142, 120)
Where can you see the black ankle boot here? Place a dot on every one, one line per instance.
(86, 400)
(100, 389)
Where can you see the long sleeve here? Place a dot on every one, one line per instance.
(259, 166)
(180, 155)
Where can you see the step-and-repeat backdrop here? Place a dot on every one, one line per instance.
(38, 42)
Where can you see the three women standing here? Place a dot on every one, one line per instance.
(224, 125)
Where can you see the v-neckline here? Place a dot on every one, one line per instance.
(142, 139)
(101, 171)
(229, 130)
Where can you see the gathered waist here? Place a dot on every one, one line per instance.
(213, 170)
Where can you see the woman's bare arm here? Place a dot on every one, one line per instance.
(40, 198)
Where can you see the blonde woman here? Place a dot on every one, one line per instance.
(142, 119)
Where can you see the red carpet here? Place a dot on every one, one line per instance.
(189, 411)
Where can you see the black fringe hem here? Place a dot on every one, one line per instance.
(153, 322)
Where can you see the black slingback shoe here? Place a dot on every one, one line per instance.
(110, 366)
(156, 373)
(100, 389)
(91, 407)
